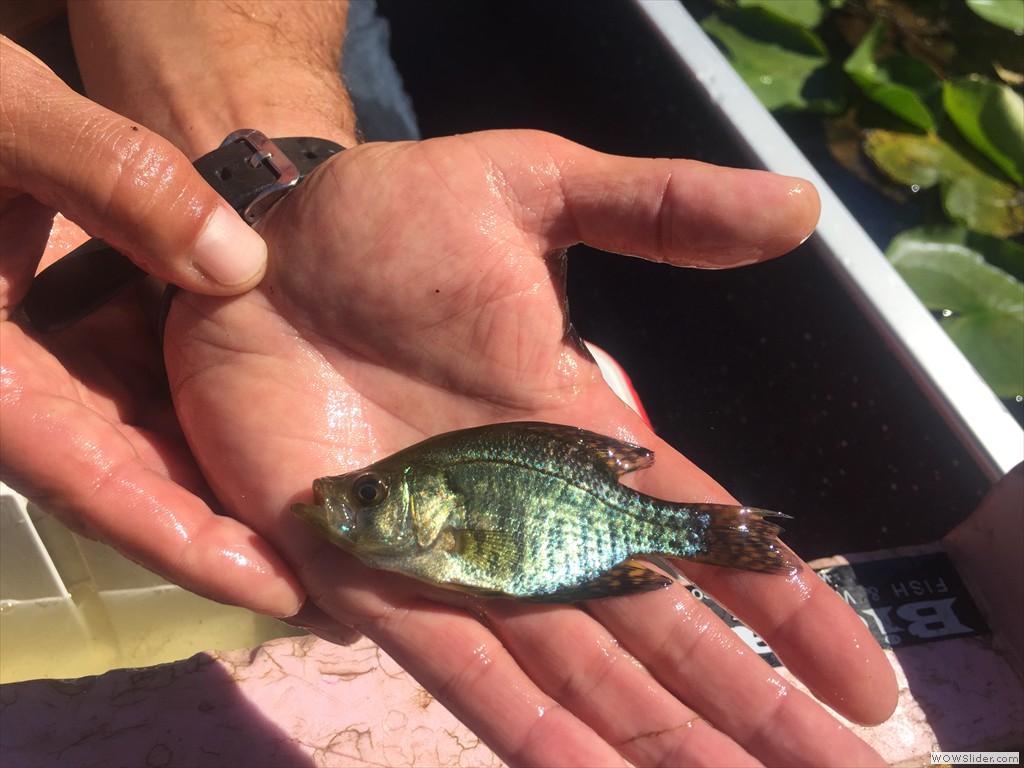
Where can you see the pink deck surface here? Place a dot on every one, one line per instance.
(305, 702)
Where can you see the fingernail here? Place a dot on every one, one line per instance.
(228, 250)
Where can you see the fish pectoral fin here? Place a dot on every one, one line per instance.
(426, 522)
(491, 550)
(626, 578)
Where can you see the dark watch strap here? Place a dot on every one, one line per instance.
(248, 170)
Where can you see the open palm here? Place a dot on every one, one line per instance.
(417, 288)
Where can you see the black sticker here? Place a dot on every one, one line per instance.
(903, 601)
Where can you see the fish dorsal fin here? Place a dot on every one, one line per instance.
(617, 456)
(626, 578)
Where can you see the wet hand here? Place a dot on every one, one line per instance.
(89, 432)
(417, 288)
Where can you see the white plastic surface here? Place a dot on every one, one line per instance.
(71, 607)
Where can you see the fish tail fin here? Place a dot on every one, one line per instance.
(742, 537)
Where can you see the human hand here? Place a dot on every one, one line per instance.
(415, 289)
(88, 431)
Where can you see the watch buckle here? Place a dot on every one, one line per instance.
(266, 153)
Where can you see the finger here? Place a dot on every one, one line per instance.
(451, 654)
(681, 211)
(815, 633)
(801, 619)
(21, 247)
(584, 668)
(120, 182)
(313, 619)
(76, 464)
(699, 659)
(461, 663)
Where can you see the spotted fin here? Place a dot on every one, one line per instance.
(742, 537)
(617, 456)
(627, 578)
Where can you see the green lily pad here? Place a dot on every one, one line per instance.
(904, 85)
(970, 195)
(1008, 14)
(991, 117)
(982, 306)
(783, 63)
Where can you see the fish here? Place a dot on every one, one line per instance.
(531, 511)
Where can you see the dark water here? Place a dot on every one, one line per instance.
(768, 377)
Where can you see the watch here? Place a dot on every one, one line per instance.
(249, 170)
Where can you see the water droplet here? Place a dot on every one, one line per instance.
(915, 188)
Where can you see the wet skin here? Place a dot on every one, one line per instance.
(415, 289)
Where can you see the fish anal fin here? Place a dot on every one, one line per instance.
(627, 578)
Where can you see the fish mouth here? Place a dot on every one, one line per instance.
(309, 513)
(324, 515)
(318, 492)
(314, 513)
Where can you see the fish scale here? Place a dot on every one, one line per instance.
(530, 510)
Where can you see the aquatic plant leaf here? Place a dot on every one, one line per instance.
(991, 117)
(970, 195)
(910, 158)
(1008, 14)
(982, 306)
(903, 85)
(985, 204)
(783, 63)
(922, 241)
(807, 13)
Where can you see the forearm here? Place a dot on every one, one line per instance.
(195, 70)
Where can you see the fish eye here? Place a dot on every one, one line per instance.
(370, 490)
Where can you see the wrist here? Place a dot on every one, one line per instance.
(285, 104)
(196, 71)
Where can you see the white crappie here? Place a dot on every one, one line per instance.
(533, 511)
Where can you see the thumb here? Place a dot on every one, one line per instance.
(682, 212)
(120, 182)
